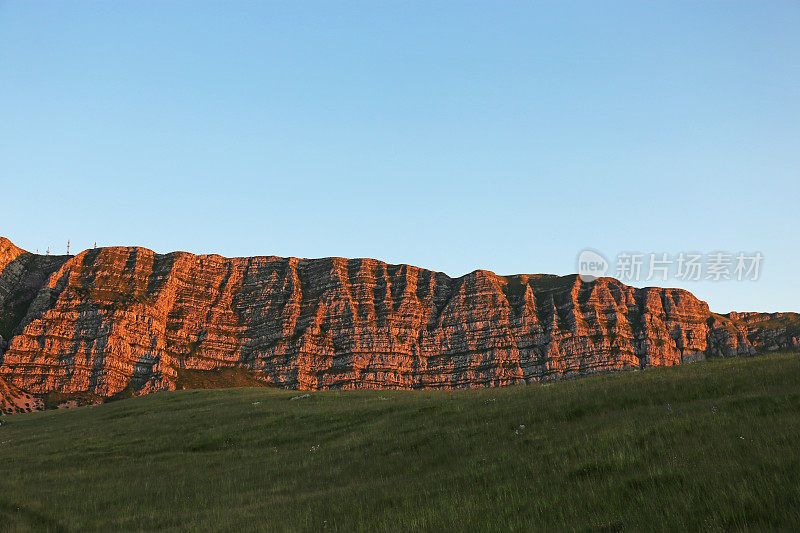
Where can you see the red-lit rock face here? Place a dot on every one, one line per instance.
(13, 400)
(127, 320)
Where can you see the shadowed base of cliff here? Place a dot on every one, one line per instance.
(14, 400)
(710, 445)
(220, 378)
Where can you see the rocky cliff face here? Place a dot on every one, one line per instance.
(113, 322)
(770, 331)
(13, 400)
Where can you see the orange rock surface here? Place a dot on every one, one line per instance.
(127, 321)
(13, 400)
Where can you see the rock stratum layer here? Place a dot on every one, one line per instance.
(116, 322)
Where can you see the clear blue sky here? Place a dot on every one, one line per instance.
(450, 135)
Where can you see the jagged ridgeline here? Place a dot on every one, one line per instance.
(115, 322)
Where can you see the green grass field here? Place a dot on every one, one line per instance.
(712, 445)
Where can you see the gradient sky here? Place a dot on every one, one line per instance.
(450, 135)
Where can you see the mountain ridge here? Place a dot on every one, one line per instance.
(120, 321)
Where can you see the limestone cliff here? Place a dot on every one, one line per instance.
(113, 322)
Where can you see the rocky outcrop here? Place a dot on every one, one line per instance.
(113, 322)
(770, 331)
(22, 276)
(13, 400)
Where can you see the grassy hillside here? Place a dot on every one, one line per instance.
(713, 445)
